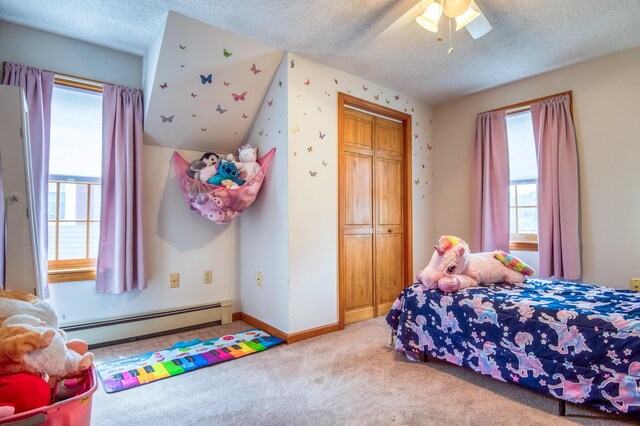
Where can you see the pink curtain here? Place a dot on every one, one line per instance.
(558, 203)
(490, 184)
(38, 89)
(120, 266)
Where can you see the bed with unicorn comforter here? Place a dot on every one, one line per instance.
(576, 342)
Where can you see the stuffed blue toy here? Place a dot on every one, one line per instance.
(227, 170)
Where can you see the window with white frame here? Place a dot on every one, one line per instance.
(523, 174)
(75, 168)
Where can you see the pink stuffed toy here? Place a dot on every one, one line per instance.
(22, 392)
(453, 267)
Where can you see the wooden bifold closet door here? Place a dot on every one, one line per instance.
(372, 213)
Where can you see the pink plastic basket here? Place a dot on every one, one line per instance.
(74, 411)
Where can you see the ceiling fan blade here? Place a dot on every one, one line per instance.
(407, 18)
(479, 26)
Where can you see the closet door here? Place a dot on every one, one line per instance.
(389, 243)
(358, 236)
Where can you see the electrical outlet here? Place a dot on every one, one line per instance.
(207, 277)
(634, 284)
(174, 280)
(259, 279)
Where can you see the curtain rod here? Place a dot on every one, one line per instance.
(70, 77)
(533, 101)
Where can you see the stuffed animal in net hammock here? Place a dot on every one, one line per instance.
(453, 267)
(219, 204)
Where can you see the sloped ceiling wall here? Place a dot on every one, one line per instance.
(207, 87)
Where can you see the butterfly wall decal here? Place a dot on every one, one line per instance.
(207, 79)
(254, 70)
(293, 64)
(194, 115)
(261, 132)
(193, 95)
(397, 97)
(417, 181)
(307, 83)
(387, 101)
(239, 97)
(182, 47)
(226, 83)
(365, 88)
(324, 163)
(203, 129)
(312, 174)
(245, 116)
(181, 65)
(167, 119)
(226, 53)
(295, 130)
(412, 110)
(415, 135)
(221, 109)
(270, 103)
(335, 80)
(280, 83)
(429, 146)
(164, 86)
(376, 97)
(310, 149)
(322, 135)
(319, 109)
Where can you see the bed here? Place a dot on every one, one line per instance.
(575, 342)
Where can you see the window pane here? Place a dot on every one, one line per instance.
(527, 195)
(73, 240)
(522, 152)
(51, 250)
(51, 201)
(512, 195)
(94, 236)
(528, 220)
(73, 201)
(76, 133)
(512, 221)
(96, 193)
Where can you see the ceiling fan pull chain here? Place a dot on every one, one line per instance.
(450, 39)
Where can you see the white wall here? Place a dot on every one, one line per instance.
(68, 56)
(605, 96)
(176, 239)
(313, 200)
(264, 231)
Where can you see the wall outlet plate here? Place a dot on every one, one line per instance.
(207, 277)
(634, 284)
(259, 279)
(174, 280)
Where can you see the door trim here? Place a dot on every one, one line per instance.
(345, 100)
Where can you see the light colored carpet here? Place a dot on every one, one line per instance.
(345, 378)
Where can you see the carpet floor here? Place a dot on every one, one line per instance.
(344, 378)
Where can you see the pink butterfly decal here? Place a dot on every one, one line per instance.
(312, 174)
(164, 86)
(429, 146)
(255, 70)
(245, 116)
(397, 97)
(226, 83)
(239, 97)
(322, 135)
(307, 83)
(270, 103)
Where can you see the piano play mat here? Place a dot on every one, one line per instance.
(183, 357)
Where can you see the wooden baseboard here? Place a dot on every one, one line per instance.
(288, 338)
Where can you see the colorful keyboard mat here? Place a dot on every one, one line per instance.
(138, 370)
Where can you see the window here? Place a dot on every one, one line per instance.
(523, 174)
(75, 167)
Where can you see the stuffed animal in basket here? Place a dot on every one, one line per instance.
(22, 392)
(28, 345)
(17, 302)
(227, 170)
(248, 161)
(453, 267)
(211, 161)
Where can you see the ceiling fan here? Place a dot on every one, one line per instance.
(427, 13)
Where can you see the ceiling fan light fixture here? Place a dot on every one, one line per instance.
(429, 19)
(455, 8)
(468, 15)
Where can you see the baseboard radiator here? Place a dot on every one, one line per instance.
(118, 330)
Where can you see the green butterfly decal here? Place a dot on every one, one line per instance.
(226, 53)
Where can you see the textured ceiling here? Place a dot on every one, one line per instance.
(528, 37)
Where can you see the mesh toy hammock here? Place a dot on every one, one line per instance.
(218, 203)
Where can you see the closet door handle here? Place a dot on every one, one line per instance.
(389, 230)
